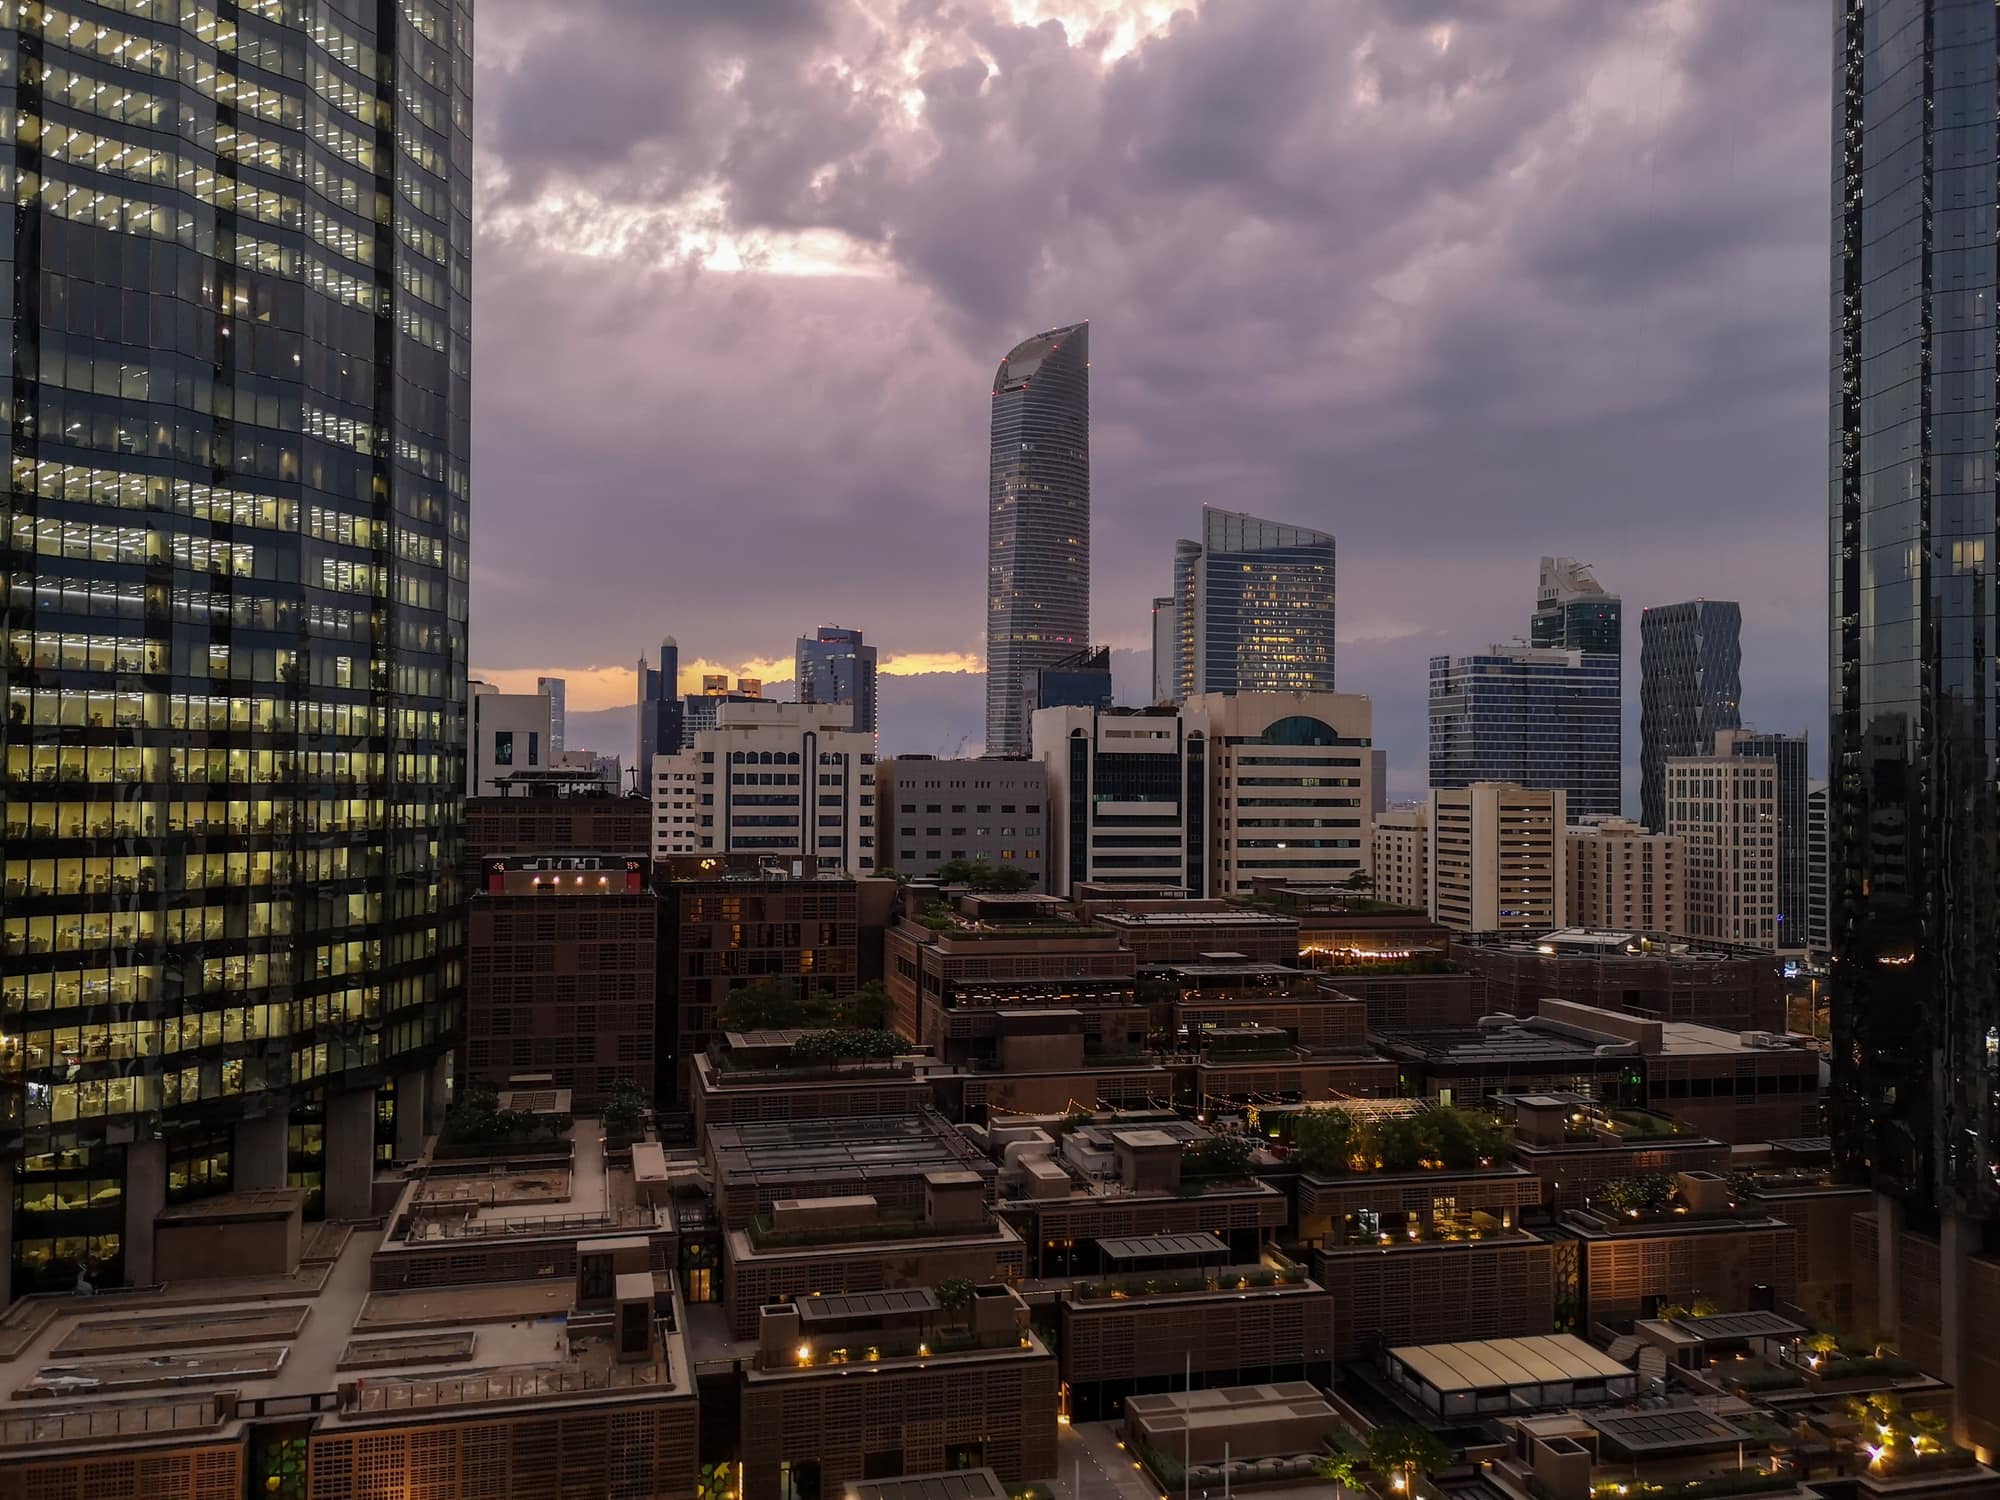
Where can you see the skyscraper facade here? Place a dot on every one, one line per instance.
(836, 666)
(1166, 631)
(1788, 755)
(556, 689)
(1915, 812)
(1254, 608)
(236, 559)
(660, 707)
(1573, 612)
(1038, 522)
(1543, 719)
(1690, 686)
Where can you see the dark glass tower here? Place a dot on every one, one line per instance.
(1912, 496)
(836, 666)
(235, 560)
(660, 708)
(1573, 612)
(1254, 608)
(1690, 685)
(1546, 719)
(1916, 999)
(1038, 523)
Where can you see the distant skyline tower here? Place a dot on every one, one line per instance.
(659, 707)
(1038, 522)
(835, 666)
(1573, 612)
(1690, 686)
(1254, 607)
(1165, 633)
(557, 690)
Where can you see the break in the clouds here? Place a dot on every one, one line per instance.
(1463, 283)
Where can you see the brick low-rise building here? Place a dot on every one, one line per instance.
(1502, 1285)
(1224, 1326)
(561, 966)
(843, 1388)
(849, 1245)
(1664, 979)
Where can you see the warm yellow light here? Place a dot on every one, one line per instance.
(805, 1353)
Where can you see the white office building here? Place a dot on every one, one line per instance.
(509, 733)
(1211, 795)
(783, 779)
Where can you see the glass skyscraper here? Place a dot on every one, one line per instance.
(1915, 811)
(1253, 608)
(835, 666)
(1038, 523)
(1690, 686)
(1546, 719)
(1573, 612)
(235, 567)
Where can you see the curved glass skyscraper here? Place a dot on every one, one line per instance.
(235, 551)
(1038, 523)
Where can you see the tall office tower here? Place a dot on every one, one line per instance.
(1819, 869)
(1544, 719)
(834, 666)
(556, 689)
(1037, 523)
(1915, 813)
(1498, 858)
(1690, 686)
(660, 706)
(234, 656)
(1788, 753)
(1724, 809)
(1573, 612)
(1165, 633)
(1253, 608)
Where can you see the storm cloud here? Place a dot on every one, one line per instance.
(1463, 283)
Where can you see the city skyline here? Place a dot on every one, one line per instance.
(1680, 270)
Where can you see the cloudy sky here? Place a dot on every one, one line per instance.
(1462, 282)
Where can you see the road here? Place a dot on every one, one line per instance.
(1089, 1451)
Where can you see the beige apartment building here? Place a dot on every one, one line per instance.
(1402, 839)
(1625, 879)
(1498, 856)
(1724, 809)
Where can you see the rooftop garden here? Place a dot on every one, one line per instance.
(476, 1125)
(1901, 1444)
(1328, 960)
(1712, 1487)
(783, 1005)
(1335, 1141)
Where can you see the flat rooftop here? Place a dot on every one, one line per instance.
(1500, 1363)
(959, 1484)
(1241, 917)
(162, 1364)
(1673, 1429)
(1477, 1045)
(855, 1148)
(1182, 1247)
